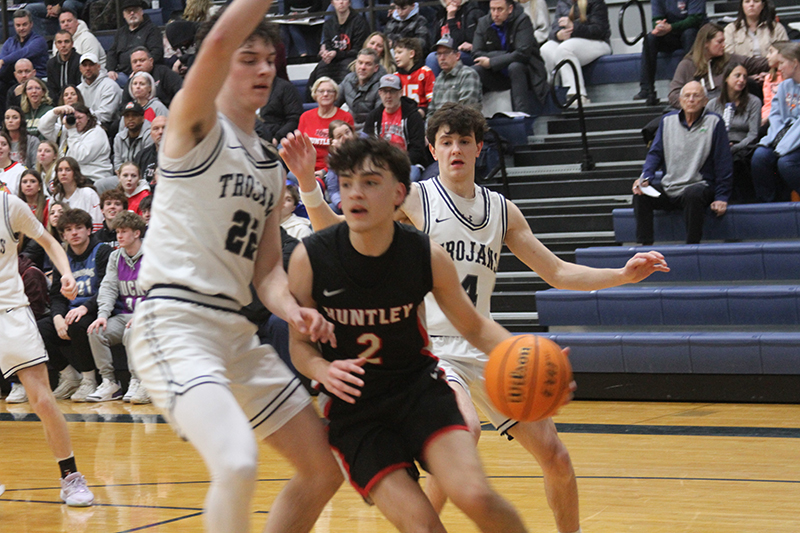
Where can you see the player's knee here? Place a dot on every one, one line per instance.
(239, 466)
(474, 427)
(475, 499)
(558, 461)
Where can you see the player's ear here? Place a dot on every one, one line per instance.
(400, 193)
(432, 148)
(480, 147)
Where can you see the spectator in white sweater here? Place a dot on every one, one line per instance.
(73, 189)
(101, 94)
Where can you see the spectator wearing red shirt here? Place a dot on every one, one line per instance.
(417, 79)
(315, 122)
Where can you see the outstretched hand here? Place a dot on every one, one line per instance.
(309, 322)
(299, 154)
(642, 265)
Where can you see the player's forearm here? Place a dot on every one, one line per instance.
(273, 290)
(319, 212)
(582, 278)
(55, 252)
(306, 358)
(485, 334)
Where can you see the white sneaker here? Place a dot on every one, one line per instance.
(74, 491)
(87, 387)
(132, 387)
(18, 394)
(2, 489)
(141, 397)
(107, 391)
(66, 387)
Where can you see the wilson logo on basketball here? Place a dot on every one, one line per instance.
(519, 380)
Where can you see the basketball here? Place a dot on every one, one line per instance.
(527, 377)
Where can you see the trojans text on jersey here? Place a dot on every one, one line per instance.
(240, 185)
(472, 252)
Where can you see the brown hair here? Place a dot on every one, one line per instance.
(459, 118)
(74, 217)
(130, 220)
(80, 179)
(698, 52)
(114, 194)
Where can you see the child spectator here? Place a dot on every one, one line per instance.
(144, 206)
(339, 131)
(294, 225)
(112, 203)
(132, 184)
(406, 21)
(416, 77)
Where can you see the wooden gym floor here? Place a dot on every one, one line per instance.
(643, 467)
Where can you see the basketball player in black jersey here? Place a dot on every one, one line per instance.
(388, 404)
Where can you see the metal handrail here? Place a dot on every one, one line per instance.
(588, 161)
(639, 37)
(501, 165)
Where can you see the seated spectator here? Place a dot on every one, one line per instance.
(459, 22)
(147, 159)
(378, 42)
(139, 30)
(64, 68)
(754, 30)
(35, 102)
(339, 131)
(135, 188)
(315, 122)
(741, 113)
(71, 95)
(85, 142)
(772, 79)
(343, 36)
(134, 137)
(142, 90)
(166, 82)
(31, 191)
(691, 146)
(145, 207)
(707, 61)
(33, 250)
(24, 146)
(675, 26)
(180, 35)
(281, 114)
(25, 44)
(406, 21)
(83, 40)
(117, 297)
(540, 18)
(23, 71)
(417, 79)
(580, 34)
(100, 93)
(295, 226)
(10, 171)
(112, 203)
(507, 57)
(75, 191)
(455, 83)
(301, 40)
(46, 155)
(65, 331)
(776, 161)
(397, 121)
(359, 90)
(45, 14)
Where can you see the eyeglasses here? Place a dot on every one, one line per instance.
(326, 91)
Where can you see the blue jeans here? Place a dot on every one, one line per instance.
(775, 177)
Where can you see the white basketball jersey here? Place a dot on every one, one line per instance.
(208, 214)
(15, 218)
(472, 232)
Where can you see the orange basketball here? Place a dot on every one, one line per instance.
(527, 377)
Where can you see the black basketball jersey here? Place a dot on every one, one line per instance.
(376, 305)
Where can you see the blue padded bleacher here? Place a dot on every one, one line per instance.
(625, 68)
(748, 222)
(683, 352)
(713, 305)
(743, 261)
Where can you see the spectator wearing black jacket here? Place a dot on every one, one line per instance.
(139, 31)
(64, 68)
(459, 21)
(398, 121)
(579, 33)
(281, 114)
(343, 35)
(168, 82)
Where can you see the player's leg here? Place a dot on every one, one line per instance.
(211, 419)
(542, 441)
(303, 442)
(453, 458)
(403, 503)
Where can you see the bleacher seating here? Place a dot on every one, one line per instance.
(748, 222)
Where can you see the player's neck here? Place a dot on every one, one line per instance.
(463, 186)
(244, 119)
(375, 241)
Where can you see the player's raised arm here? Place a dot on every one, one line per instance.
(565, 275)
(193, 111)
(339, 377)
(481, 332)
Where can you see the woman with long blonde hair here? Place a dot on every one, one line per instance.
(580, 33)
(35, 102)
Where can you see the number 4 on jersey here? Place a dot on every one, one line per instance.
(470, 284)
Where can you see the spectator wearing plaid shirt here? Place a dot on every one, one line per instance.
(456, 82)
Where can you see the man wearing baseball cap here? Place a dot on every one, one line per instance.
(455, 83)
(398, 121)
(139, 31)
(100, 94)
(134, 137)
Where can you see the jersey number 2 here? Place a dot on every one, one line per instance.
(242, 232)
(373, 344)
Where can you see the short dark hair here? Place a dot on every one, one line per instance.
(68, 10)
(23, 13)
(410, 43)
(91, 121)
(147, 203)
(130, 220)
(113, 194)
(64, 32)
(141, 49)
(460, 119)
(355, 153)
(403, 3)
(266, 31)
(74, 217)
(293, 192)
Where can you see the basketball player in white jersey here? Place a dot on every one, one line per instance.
(472, 223)
(214, 230)
(22, 349)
